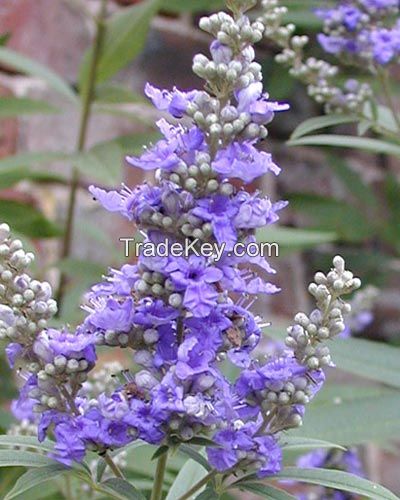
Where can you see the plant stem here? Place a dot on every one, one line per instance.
(156, 493)
(68, 489)
(87, 100)
(113, 466)
(384, 80)
(198, 485)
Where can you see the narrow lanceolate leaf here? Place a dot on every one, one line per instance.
(11, 176)
(188, 476)
(320, 122)
(21, 458)
(266, 491)
(29, 159)
(373, 360)
(27, 220)
(208, 494)
(195, 455)
(289, 238)
(304, 444)
(126, 33)
(30, 67)
(21, 106)
(338, 480)
(353, 183)
(357, 419)
(104, 162)
(192, 6)
(345, 141)
(33, 477)
(121, 489)
(26, 442)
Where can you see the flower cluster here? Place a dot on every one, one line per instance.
(348, 461)
(321, 77)
(364, 31)
(181, 316)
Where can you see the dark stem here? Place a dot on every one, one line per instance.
(179, 330)
(87, 100)
(156, 493)
(198, 485)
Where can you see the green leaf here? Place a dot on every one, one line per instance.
(320, 122)
(392, 191)
(338, 480)
(266, 491)
(116, 94)
(191, 6)
(202, 441)
(349, 223)
(208, 494)
(104, 162)
(188, 476)
(126, 33)
(26, 219)
(121, 489)
(356, 419)
(303, 444)
(352, 182)
(11, 176)
(289, 238)
(162, 450)
(20, 106)
(4, 38)
(21, 458)
(372, 360)
(345, 141)
(29, 159)
(33, 477)
(195, 455)
(383, 116)
(84, 270)
(25, 442)
(30, 67)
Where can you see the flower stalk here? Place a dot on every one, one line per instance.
(86, 107)
(156, 493)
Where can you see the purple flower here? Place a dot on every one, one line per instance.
(196, 278)
(243, 161)
(51, 343)
(220, 53)
(150, 313)
(219, 210)
(233, 443)
(69, 447)
(23, 407)
(192, 358)
(252, 100)
(254, 211)
(178, 146)
(13, 352)
(175, 102)
(331, 44)
(112, 315)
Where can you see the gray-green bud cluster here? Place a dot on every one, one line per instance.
(307, 336)
(230, 70)
(26, 304)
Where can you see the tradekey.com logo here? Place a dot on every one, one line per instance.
(197, 247)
